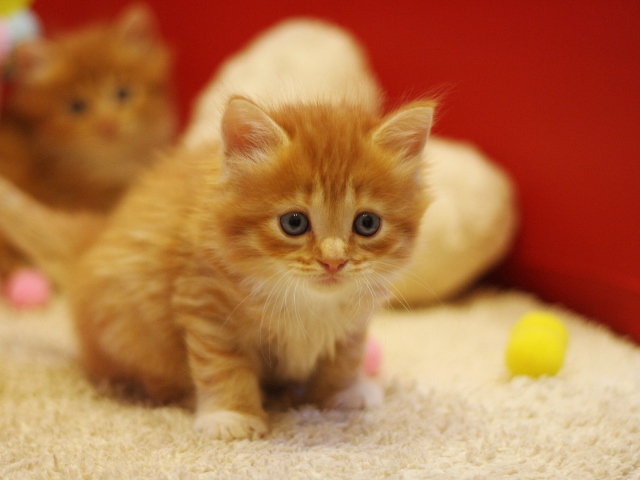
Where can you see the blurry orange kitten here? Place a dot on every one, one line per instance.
(88, 112)
(254, 262)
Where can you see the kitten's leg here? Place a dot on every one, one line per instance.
(338, 382)
(228, 395)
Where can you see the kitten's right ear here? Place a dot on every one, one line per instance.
(248, 133)
(32, 61)
(407, 130)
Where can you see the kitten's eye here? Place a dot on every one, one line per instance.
(123, 94)
(77, 106)
(366, 224)
(294, 223)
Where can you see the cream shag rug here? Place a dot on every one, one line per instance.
(451, 410)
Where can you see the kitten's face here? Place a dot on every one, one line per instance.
(329, 208)
(100, 98)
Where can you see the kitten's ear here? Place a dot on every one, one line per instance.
(248, 132)
(33, 61)
(406, 131)
(138, 26)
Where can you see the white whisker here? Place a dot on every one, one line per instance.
(403, 274)
(275, 288)
(254, 291)
(297, 311)
(393, 291)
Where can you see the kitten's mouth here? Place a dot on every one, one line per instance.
(330, 279)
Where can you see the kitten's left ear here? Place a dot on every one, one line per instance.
(138, 26)
(406, 131)
(34, 61)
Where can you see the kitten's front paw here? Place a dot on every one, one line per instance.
(364, 393)
(230, 425)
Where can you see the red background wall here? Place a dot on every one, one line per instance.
(550, 90)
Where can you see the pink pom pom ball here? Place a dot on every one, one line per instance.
(372, 358)
(28, 287)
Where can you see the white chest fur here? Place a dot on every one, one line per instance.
(303, 326)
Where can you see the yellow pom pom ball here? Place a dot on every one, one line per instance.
(537, 345)
(9, 7)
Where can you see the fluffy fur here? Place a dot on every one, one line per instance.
(87, 113)
(196, 272)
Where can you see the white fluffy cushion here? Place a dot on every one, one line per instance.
(467, 229)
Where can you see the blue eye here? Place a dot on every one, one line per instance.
(294, 223)
(366, 224)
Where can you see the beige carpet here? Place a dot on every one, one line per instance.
(451, 411)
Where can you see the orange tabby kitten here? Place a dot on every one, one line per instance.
(252, 263)
(87, 114)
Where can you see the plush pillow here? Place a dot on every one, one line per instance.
(296, 60)
(471, 222)
(467, 229)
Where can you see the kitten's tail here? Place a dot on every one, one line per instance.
(52, 239)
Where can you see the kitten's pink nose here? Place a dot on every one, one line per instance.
(333, 265)
(108, 127)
